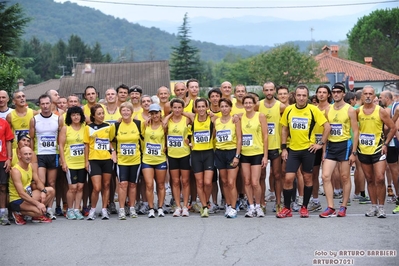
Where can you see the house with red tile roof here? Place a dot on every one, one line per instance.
(363, 74)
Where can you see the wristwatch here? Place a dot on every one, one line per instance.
(354, 153)
(320, 143)
(44, 191)
(238, 156)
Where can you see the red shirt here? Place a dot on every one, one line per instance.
(5, 135)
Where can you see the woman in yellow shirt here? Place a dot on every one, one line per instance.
(98, 151)
(179, 155)
(253, 154)
(72, 159)
(154, 160)
(128, 137)
(227, 154)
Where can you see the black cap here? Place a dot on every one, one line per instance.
(339, 85)
(22, 135)
(136, 88)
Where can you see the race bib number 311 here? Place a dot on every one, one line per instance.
(101, 144)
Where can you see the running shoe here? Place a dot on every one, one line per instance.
(122, 214)
(364, 200)
(133, 213)
(50, 214)
(250, 213)
(232, 213)
(391, 199)
(390, 191)
(243, 204)
(185, 212)
(18, 218)
(71, 215)
(295, 207)
(284, 213)
(304, 213)
(4, 220)
(270, 197)
(177, 212)
(222, 205)
(356, 197)
(143, 209)
(196, 208)
(259, 213)
(41, 219)
(160, 212)
(347, 204)
(112, 208)
(92, 215)
(166, 209)
(58, 211)
(328, 212)
(263, 209)
(104, 214)
(78, 215)
(381, 212)
(372, 211)
(85, 211)
(321, 190)
(338, 195)
(299, 201)
(204, 212)
(396, 210)
(151, 213)
(312, 207)
(213, 208)
(342, 211)
(127, 209)
(226, 212)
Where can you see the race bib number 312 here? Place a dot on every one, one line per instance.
(223, 135)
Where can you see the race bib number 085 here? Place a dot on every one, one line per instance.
(299, 123)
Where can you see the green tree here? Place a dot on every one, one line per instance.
(377, 35)
(284, 64)
(12, 24)
(185, 61)
(9, 73)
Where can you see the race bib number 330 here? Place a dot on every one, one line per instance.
(175, 141)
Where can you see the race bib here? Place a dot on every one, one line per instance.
(77, 150)
(367, 139)
(202, 136)
(318, 137)
(175, 141)
(101, 144)
(21, 131)
(247, 140)
(153, 149)
(336, 130)
(223, 135)
(299, 123)
(47, 141)
(271, 128)
(128, 149)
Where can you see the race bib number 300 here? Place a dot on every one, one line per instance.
(77, 150)
(101, 144)
(153, 149)
(336, 130)
(223, 135)
(247, 140)
(128, 149)
(299, 123)
(175, 141)
(202, 136)
(367, 139)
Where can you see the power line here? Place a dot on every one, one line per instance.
(237, 7)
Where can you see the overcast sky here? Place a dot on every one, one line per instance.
(134, 10)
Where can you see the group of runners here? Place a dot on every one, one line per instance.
(201, 147)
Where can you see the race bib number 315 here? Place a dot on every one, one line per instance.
(153, 149)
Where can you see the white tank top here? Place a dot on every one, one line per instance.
(46, 129)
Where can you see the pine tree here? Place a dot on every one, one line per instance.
(185, 61)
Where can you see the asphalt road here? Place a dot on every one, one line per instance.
(207, 241)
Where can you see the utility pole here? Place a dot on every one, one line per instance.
(72, 57)
(63, 70)
(311, 39)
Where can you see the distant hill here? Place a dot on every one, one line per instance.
(52, 21)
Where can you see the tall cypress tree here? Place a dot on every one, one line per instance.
(185, 61)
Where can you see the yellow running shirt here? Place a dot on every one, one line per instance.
(74, 148)
(128, 143)
(154, 146)
(340, 124)
(26, 179)
(252, 137)
(98, 138)
(177, 134)
(20, 124)
(370, 132)
(201, 138)
(226, 138)
(300, 123)
(273, 124)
